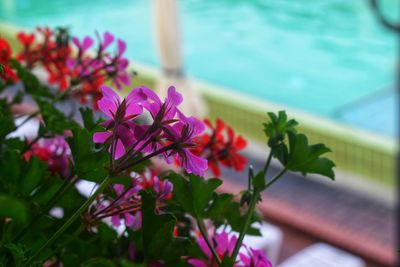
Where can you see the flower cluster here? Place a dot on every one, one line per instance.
(223, 244)
(72, 65)
(170, 134)
(220, 145)
(51, 50)
(6, 72)
(54, 151)
(124, 204)
(90, 70)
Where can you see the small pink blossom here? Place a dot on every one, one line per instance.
(119, 113)
(223, 245)
(55, 152)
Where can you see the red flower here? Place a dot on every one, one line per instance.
(6, 73)
(220, 146)
(5, 51)
(26, 39)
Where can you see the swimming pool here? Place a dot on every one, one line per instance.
(317, 56)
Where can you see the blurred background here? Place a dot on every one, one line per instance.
(332, 64)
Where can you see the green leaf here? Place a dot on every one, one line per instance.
(11, 207)
(195, 194)
(54, 120)
(88, 119)
(218, 206)
(10, 170)
(6, 119)
(306, 158)
(158, 239)
(90, 164)
(202, 191)
(278, 127)
(33, 175)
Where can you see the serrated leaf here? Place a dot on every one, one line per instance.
(202, 191)
(194, 194)
(306, 158)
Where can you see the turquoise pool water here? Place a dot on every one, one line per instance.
(315, 55)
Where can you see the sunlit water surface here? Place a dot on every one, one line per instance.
(326, 57)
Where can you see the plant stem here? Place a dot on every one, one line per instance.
(249, 215)
(205, 236)
(75, 216)
(266, 166)
(274, 179)
(155, 153)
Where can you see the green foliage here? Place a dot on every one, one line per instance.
(278, 127)
(90, 163)
(14, 208)
(158, 239)
(89, 121)
(194, 194)
(6, 120)
(31, 83)
(54, 120)
(293, 150)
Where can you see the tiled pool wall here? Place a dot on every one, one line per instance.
(367, 155)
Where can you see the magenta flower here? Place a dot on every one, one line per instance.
(120, 114)
(124, 206)
(183, 133)
(117, 69)
(128, 206)
(254, 258)
(108, 38)
(161, 111)
(84, 45)
(223, 245)
(55, 152)
(162, 188)
(119, 73)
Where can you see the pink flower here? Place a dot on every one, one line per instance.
(161, 111)
(184, 133)
(84, 45)
(223, 245)
(120, 114)
(254, 258)
(162, 188)
(55, 152)
(125, 205)
(108, 38)
(119, 73)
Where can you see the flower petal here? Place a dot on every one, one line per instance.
(101, 137)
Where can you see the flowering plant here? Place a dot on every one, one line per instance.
(137, 213)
